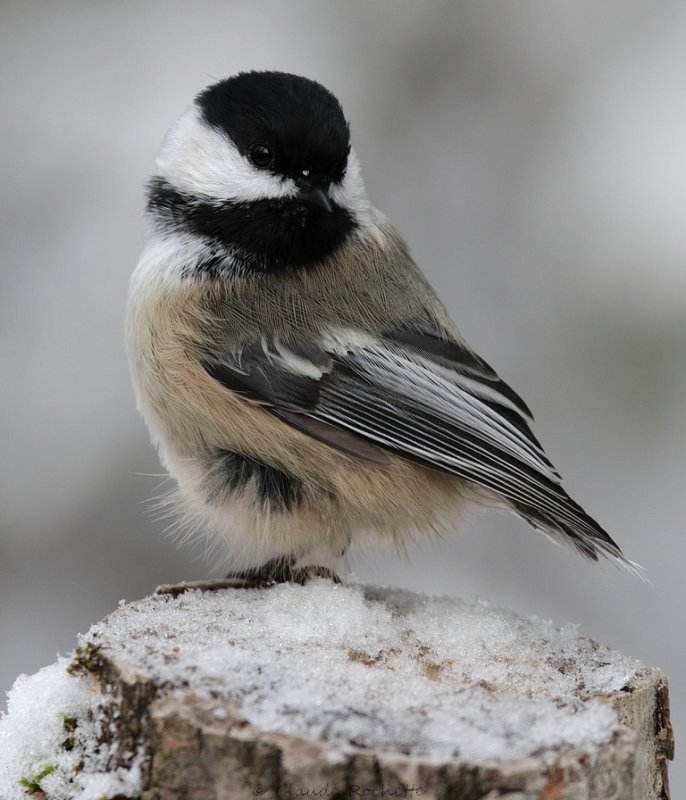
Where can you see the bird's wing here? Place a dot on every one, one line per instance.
(423, 398)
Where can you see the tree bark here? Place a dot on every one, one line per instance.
(200, 741)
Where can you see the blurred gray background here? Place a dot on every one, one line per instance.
(534, 155)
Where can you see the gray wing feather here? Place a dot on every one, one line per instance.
(423, 398)
(400, 397)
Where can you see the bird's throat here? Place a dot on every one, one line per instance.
(270, 235)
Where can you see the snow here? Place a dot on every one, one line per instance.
(44, 711)
(351, 665)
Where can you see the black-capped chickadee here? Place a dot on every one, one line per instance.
(302, 381)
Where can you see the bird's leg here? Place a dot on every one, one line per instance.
(303, 575)
(283, 570)
(269, 574)
(278, 570)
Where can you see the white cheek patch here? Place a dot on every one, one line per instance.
(202, 161)
(352, 195)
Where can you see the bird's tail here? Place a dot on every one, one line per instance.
(572, 527)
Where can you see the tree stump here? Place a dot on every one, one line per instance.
(333, 691)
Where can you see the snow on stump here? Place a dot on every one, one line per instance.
(332, 691)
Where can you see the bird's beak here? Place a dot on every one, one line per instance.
(316, 197)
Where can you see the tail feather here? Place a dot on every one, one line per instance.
(576, 529)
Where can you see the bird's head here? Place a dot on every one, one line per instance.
(261, 164)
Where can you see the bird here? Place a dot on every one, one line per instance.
(306, 388)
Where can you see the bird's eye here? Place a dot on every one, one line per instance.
(261, 155)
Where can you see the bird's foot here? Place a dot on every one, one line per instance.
(278, 570)
(175, 589)
(282, 570)
(303, 575)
